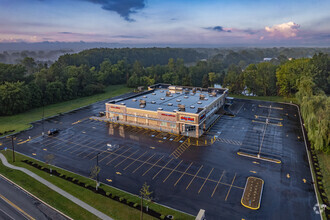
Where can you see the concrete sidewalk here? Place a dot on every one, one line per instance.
(56, 189)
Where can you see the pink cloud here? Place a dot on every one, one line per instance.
(287, 30)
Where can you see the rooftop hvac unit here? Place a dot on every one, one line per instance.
(178, 100)
(162, 98)
(122, 103)
(142, 106)
(185, 97)
(143, 102)
(169, 104)
(153, 102)
(194, 90)
(134, 100)
(186, 91)
(214, 93)
(201, 97)
(182, 107)
(168, 94)
(160, 108)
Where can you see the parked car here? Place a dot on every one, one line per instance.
(101, 114)
(53, 131)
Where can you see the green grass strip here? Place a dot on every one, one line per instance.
(106, 205)
(44, 193)
(22, 121)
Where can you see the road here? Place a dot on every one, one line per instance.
(16, 204)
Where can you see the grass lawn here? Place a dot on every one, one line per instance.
(22, 121)
(108, 206)
(49, 196)
(324, 162)
(265, 98)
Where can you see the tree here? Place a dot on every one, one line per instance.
(288, 75)
(145, 194)
(49, 158)
(95, 170)
(234, 80)
(205, 81)
(29, 64)
(14, 98)
(213, 78)
(321, 71)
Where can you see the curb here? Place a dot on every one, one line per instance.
(107, 185)
(27, 192)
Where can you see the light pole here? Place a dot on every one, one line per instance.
(43, 114)
(97, 165)
(12, 144)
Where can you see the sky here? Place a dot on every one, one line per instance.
(168, 22)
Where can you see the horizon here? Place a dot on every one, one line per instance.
(178, 23)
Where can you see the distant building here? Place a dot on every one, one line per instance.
(177, 109)
(267, 59)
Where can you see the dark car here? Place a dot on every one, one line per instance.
(53, 131)
(101, 114)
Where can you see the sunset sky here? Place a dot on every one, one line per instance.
(178, 22)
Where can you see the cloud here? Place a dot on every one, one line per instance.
(218, 29)
(123, 7)
(287, 30)
(65, 32)
(129, 36)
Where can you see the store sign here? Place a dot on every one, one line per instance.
(167, 115)
(186, 118)
(203, 116)
(116, 107)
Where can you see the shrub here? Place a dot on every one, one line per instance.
(86, 185)
(319, 178)
(319, 173)
(320, 183)
(108, 193)
(317, 169)
(321, 187)
(121, 199)
(323, 194)
(74, 179)
(162, 217)
(128, 202)
(135, 205)
(316, 164)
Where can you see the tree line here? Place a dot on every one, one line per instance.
(28, 85)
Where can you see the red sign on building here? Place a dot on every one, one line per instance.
(116, 107)
(186, 118)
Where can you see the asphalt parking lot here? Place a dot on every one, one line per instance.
(208, 177)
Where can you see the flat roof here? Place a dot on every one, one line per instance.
(157, 98)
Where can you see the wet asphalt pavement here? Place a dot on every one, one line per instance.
(204, 177)
(16, 204)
